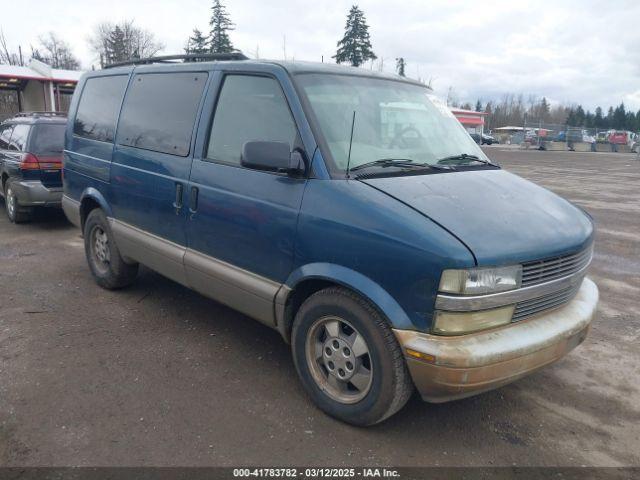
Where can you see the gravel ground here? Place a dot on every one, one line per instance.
(158, 375)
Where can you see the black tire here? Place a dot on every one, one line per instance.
(15, 212)
(112, 272)
(390, 384)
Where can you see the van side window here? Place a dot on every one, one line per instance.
(5, 135)
(159, 111)
(98, 109)
(19, 138)
(250, 108)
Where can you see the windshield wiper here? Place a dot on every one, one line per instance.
(456, 159)
(397, 162)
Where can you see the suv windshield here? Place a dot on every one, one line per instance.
(393, 120)
(47, 138)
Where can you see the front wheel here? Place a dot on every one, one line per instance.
(348, 358)
(109, 269)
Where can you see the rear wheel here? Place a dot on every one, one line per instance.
(348, 358)
(16, 212)
(109, 269)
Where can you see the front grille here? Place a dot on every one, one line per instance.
(547, 302)
(541, 271)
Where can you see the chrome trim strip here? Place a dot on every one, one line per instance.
(240, 289)
(155, 252)
(244, 279)
(457, 303)
(542, 271)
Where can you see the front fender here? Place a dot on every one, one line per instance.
(356, 282)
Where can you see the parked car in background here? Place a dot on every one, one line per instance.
(483, 139)
(488, 139)
(390, 255)
(31, 162)
(620, 137)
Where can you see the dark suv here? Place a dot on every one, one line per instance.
(31, 162)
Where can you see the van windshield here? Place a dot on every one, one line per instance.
(393, 120)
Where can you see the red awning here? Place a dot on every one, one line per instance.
(470, 120)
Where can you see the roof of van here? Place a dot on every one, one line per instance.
(293, 67)
(35, 117)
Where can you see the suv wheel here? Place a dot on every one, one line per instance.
(348, 358)
(109, 269)
(15, 212)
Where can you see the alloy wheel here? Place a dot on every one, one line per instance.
(10, 198)
(339, 359)
(100, 251)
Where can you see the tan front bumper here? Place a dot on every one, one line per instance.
(469, 364)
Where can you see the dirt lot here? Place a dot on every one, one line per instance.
(158, 375)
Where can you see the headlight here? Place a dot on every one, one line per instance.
(459, 323)
(478, 281)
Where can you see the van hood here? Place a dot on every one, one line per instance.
(500, 217)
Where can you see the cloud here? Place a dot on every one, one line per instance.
(570, 51)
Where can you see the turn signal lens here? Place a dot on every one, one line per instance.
(459, 323)
(420, 355)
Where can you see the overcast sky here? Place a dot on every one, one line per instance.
(584, 52)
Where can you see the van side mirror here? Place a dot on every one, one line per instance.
(272, 157)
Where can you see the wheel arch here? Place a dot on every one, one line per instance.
(311, 278)
(89, 200)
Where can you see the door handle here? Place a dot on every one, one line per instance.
(177, 204)
(193, 200)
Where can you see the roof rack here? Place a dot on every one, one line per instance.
(189, 57)
(41, 114)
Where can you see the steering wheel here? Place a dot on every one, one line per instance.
(399, 140)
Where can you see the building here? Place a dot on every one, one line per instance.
(470, 119)
(36, 87)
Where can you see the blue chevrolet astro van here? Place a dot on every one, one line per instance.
(346, 208)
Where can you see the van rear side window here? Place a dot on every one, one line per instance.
(159, 112)
(98, 109)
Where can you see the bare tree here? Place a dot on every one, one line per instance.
(7, 57)
(55, 52)
(118, 42)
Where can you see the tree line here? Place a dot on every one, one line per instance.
(518, 110)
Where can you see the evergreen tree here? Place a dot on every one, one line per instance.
(630, 122)
(355, 46)
(610, 118)
(219, 41)
(478, 106)
(580, 116)
(544, 109)
(400, 66)
(619, 116)
(598, 120)
(197, 43)
(116, 49)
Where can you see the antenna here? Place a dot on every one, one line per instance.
(353, 122)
